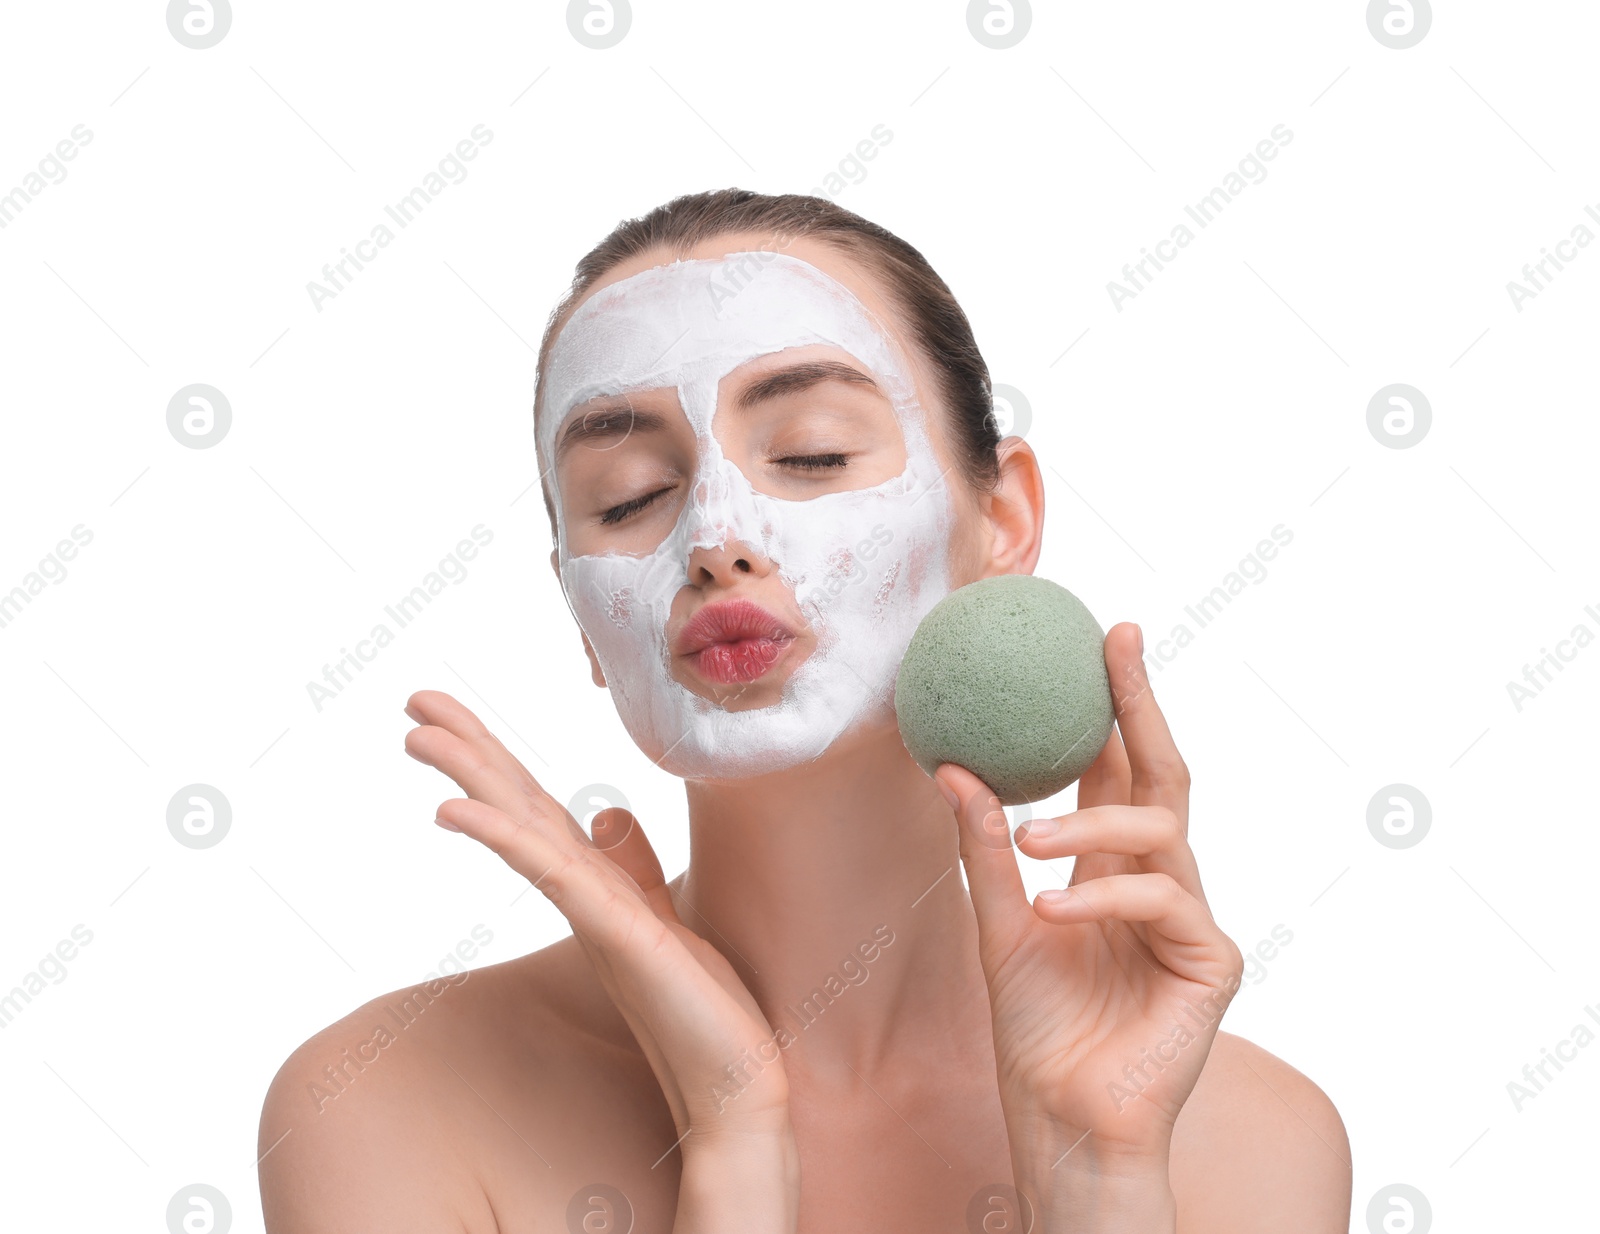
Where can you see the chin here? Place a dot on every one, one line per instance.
(874, 743)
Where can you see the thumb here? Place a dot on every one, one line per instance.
(998, 897)
(619, 835)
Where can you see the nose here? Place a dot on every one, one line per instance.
(726, 563)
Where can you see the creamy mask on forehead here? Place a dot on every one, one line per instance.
(864, 565)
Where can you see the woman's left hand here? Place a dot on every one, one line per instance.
(1105, 997)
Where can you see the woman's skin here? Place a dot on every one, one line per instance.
(979, 1047)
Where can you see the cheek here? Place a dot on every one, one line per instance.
(966, 548)
(619, 607)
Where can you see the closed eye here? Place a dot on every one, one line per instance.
(804, 462)
(617, 514)
(814, 462)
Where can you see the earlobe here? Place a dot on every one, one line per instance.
(594, 663)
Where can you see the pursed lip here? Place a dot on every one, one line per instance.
(730, 621)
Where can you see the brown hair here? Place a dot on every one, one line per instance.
(938, 324)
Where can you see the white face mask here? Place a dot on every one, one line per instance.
(865, 565)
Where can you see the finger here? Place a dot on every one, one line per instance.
(995, 883)
(618, 834)
(1182, 933)
(474, 767)
(570, 874)
(673, 1005)
(1149, 833)
(1159, 774)
(443, 711)
(1108, 781)
(476, 773)
(436, 707)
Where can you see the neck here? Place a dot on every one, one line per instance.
(835, 891)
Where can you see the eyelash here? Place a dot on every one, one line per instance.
(806, 462)
(617, 513)
(815, 462)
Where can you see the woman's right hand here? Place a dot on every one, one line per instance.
(691, 1014)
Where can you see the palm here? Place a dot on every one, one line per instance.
(1073, 1005)
(690, 1013)
(1104, 1005)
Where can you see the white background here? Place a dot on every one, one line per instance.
(368, 438)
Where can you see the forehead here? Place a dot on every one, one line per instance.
(831, 260)
(688, 322)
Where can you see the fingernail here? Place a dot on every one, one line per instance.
(1037, 827)
(1141, 637)
(447, 824)
(949, 793)
(1055, 897)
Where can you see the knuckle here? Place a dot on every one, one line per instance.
(1166, 773)
(558, 879)
(1235, 964)
(1170, 889)
(530, 788)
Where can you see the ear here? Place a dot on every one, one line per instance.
(598, 677)
(1015, 511)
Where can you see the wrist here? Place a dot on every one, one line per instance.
(739, 1182)
(1075, 1183)
(1084, 1199)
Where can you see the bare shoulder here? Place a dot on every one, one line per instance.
(412, 1112)
(1259, 1147)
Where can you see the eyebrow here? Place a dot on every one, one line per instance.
(619, 419)
(608, 421)
(799, 377)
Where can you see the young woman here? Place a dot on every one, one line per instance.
(767, 446)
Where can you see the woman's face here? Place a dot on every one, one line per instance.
(756, 499)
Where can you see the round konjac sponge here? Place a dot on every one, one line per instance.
(1007, 678)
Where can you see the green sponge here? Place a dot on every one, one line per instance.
(1007, 678)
